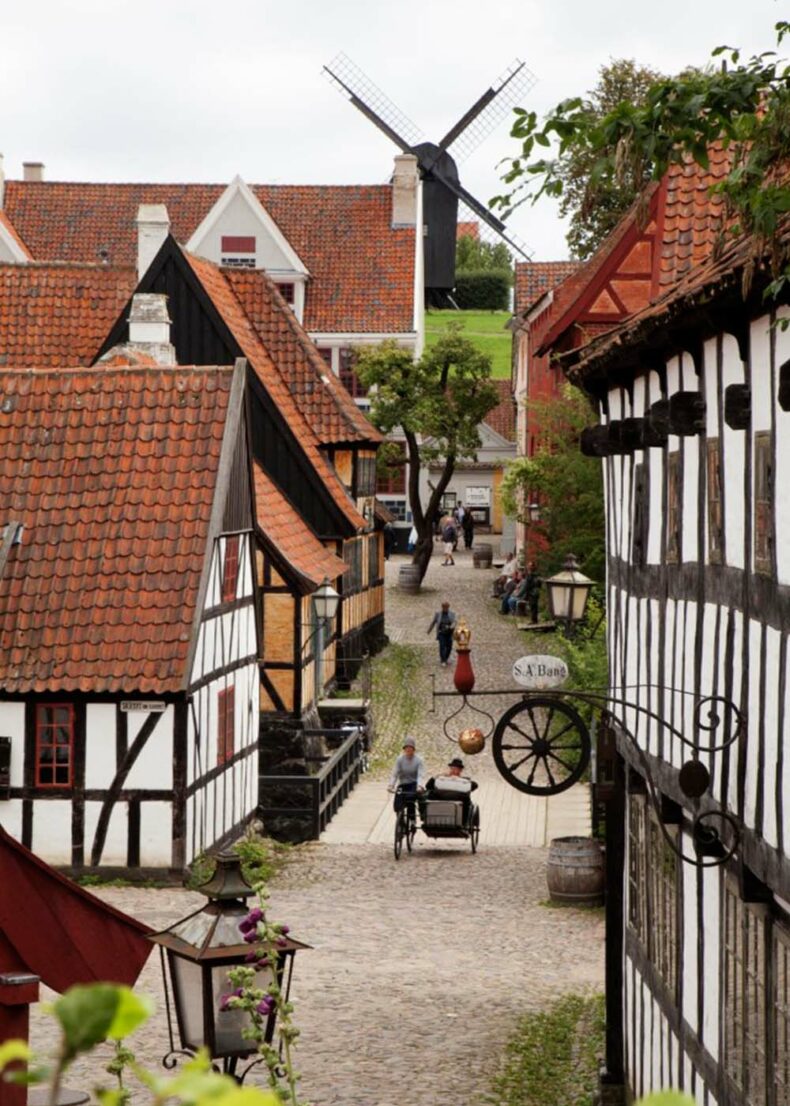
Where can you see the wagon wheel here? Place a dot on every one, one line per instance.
(474, 833)
(541, 745)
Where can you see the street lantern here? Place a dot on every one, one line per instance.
(533, 510)
(201, 949)
(568, 592)
(325, 602)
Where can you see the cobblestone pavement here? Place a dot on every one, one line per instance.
(419, 969)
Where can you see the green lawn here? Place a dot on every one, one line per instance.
(485, 328)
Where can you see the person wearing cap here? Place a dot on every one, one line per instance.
(408, 774)
(456, 767)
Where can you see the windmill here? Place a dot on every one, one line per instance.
(442, 188)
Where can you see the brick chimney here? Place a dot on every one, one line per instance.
(405, 180)
(153, 227)
(33, 170)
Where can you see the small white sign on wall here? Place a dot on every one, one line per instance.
(142, 706)
(539, 671)
(477, 497)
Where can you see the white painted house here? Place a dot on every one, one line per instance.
(129, 686)
(694, 398)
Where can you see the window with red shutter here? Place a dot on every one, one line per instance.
(54, 744)
(230, 570)
(226, 735)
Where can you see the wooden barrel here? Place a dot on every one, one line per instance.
(409, 578)
(482, 556)
(575, 872)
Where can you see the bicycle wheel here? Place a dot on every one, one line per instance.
(399, 834)
(411, 832)
(474, 835)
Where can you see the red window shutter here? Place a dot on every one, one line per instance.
(226, 736)
(230, 569)
(54, 744)
(234, 243)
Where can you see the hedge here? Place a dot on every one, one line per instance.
(485, 291)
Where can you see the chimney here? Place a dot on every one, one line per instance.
(2, 182)
(149, 327)
(153, 227)
(33, 170)
(404, 191)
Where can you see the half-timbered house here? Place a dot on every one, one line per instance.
(694, 398)
(129, 680)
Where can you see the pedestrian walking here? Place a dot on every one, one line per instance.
(469, 529)
(450, 539)
(444, 621)
(389, 540)
(412, 540)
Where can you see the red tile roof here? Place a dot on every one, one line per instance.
(502, 419)
(361, 268)
(11, 229)
(290, 535)
(217, 286)
(470, 229)
(112, 474)
(320, 395)
(58, 314)
(690, 218)
(535, 278)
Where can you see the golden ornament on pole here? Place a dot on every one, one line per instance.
(472, 741)
(463, 636)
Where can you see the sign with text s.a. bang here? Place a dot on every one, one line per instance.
(539, 671)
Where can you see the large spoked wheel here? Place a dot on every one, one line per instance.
(401, 831)
(474, 833)
(541, 745)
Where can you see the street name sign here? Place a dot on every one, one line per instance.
(539, 672)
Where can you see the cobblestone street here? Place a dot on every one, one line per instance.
(419, 969)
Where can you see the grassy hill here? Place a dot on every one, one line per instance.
(485, 328)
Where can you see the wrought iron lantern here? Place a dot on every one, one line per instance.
(534, 511)
(325, 602)
(568, 592)
(201, 949)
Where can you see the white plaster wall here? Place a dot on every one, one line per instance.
(770, 709)
(691, 460)
(737, 668)
(688, 875)
(154, 765)
(11, 817)
(156, 835)
(52, 830)
(100, 744)
(238, 218)
(12, 724)
(711, 912)
(115, 852)
(782, 474)
(734, 453)
(755, 709)
(655, 460)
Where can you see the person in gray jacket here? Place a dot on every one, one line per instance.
(444, 621)
(408, 774)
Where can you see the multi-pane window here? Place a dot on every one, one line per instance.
(226, 722)
(714, 500)
(399, 508)
(230, 569)
(653, 890)
(781, 1006)
(286, 290)
(393, 480)
(366, 476)
(237, 251)
(375, 552)
(673, 507)
(744, 1011)
(348, 377)
(54, 745)
(352, 555)
(763, 502)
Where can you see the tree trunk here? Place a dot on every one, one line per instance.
(423, 552)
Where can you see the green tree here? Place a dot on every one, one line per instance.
(743, 105)
(568, 485)
(437, 402)
(595, 203)
(472, 255)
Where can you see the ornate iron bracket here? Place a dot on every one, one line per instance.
(553, 746)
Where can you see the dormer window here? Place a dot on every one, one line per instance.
(238, 251)
(286, 290)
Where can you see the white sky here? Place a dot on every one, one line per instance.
(199, 90)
